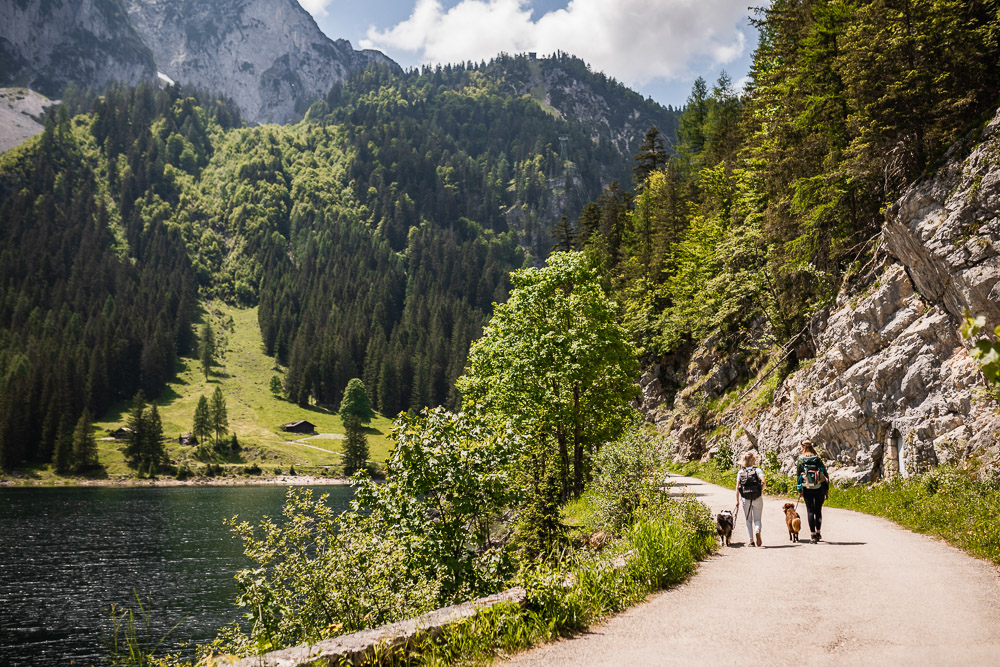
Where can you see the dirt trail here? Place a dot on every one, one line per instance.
(873, 593)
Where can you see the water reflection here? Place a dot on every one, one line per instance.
(67, 554)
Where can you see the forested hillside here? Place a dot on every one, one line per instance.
(375, 235)
(776, 197)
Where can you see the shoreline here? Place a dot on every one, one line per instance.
(131, 482)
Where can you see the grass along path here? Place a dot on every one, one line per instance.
(874, 593)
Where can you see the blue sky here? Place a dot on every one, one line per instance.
(657, 47)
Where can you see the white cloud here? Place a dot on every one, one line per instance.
(315, 7)
(635, 41)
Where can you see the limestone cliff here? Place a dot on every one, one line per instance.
(45, 45)
(892, 386)
(268, 56)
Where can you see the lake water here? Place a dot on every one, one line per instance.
(67, 554)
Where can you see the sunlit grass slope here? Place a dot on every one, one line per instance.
(244, 372)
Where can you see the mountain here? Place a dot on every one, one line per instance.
(268, 56)
(373, 236)
(47, 45)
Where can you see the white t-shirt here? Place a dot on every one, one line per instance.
(742, 475)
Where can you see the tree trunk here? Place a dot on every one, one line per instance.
(578, 472)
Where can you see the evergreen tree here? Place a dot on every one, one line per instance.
(206, 347)
(155, 453)
(136, 435)
(202, 426)
(219, 416)
(356, 403)
(62, 456)
(651, 156)
(355, 446)
(84, 444)
(565, 236)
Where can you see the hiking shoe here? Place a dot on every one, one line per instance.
(758, 538)
(818, 536)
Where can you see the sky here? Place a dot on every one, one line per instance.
(656, 47)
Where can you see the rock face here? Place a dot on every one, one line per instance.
(268, 56)
(892, 387)
(46, 45)
(21, 112)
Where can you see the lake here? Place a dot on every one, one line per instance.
(67, 554)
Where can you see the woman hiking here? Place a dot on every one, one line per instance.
(749, 489)
(814, 486)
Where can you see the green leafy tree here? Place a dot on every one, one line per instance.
(206, 348)
(986, 352)
(275, 386)
(555, 365)
(219, 416)
(356, 403)
(144, 449)
(448, 482)
(321, 572)
(355, 446)
(202, 426)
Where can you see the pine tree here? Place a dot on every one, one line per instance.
(565, 236)
(62, 455)
(84, 444)
(154, 452)
(355, 446)
(651, 157)
(356, 402)
(202, 426)
(136, 425)
(207, 348)
(219, 416)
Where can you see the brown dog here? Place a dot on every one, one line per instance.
(793, 522)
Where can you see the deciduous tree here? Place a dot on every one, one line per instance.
(556, 365)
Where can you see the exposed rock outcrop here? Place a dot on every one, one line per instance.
(893, 386)
(268, 56)
(46, 45)
(21, 112)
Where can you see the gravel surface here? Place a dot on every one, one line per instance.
(871, 593)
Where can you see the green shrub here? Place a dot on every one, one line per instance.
(570, 593)
(317, 574)
(629, 475)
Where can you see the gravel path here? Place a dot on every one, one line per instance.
(871, 594)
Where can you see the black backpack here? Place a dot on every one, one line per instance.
(752, 486)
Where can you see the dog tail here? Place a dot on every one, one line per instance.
(796, 524)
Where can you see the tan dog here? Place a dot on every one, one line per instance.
(793, 522)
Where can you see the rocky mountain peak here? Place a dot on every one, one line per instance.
(46, 45)
(268, 56)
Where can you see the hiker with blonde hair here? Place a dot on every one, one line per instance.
(750, 490)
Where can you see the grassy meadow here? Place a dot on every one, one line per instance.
(255, 414)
